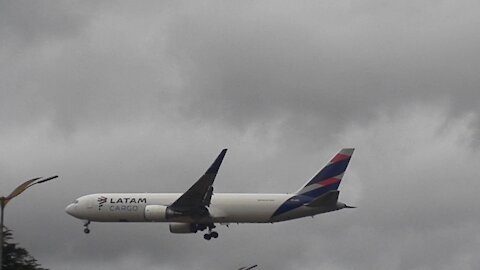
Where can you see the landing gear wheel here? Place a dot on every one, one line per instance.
(86, 230)
(214, 234)
(207, 236)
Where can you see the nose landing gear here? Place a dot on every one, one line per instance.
(86, 230)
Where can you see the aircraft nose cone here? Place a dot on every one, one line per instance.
(70, 209)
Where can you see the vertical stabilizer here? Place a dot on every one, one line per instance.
(329, 178)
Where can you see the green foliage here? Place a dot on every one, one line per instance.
(15, 257)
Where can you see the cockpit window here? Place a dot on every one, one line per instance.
(75, 202)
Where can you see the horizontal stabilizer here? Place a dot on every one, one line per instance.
(328, 199)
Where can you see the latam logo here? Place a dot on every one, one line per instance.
(121, 204)
(128, 200)
(101, 201)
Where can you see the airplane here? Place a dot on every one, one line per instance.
(199, 208)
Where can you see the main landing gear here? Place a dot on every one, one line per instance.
(86, 230)
(211, 234)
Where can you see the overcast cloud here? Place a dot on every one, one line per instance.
(141, 97)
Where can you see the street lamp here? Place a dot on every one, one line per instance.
(4, 200)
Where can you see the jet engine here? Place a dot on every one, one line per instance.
(156, 212)
(183, 228)
(160, 213)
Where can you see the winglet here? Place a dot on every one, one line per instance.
(216, 164)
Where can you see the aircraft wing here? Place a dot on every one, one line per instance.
(199, 195)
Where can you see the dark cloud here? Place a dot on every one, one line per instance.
(329, 69)
(141, 97)
(27, 23)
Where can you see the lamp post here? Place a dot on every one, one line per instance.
(4, 200)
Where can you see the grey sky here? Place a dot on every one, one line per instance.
(119, 97)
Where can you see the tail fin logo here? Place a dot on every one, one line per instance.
(330, 176)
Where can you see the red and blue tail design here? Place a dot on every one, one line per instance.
(329, 177)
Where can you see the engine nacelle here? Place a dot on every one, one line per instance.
(160, 213)
(183, 228)
(156, 212)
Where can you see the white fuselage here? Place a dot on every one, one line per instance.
(224, 208)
